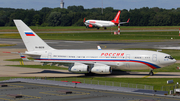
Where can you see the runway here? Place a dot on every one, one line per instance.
(59, 44)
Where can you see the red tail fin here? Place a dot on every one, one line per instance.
(116, 19)
(84, 20)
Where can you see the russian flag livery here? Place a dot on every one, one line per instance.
(23, 57)
(29, 34)
(90, 61)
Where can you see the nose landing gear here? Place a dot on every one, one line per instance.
(151, 73)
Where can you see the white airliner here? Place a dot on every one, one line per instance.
(102, 23)
(91, 61)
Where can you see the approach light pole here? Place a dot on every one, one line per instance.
(119, 29)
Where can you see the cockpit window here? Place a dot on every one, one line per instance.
(169, 57)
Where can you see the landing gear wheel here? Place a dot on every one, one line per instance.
(105, 28)
(86, 74)
(89, 74)
(151, 73)
(98, 28)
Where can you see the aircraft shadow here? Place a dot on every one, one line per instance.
(50, 71)
(114, 73)
(114, 43)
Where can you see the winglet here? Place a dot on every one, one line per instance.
(128, 20)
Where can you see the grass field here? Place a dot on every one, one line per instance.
(156, 82)
(64, 28)
(125, 36)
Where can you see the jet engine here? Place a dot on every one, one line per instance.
(79, 68)
(101, 69)
(90, 26)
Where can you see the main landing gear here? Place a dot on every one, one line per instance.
(89, 74)
(151, 73)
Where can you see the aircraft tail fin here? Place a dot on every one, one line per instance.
(99, 48)
(84, 20)
(31, 40)
(116, 19)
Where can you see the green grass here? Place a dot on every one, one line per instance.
(156, 82)
(4, 45)
(83, 27)
(40, 67)
(125, 36)
(174, 53)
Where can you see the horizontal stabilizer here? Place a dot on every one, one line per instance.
(24, 58)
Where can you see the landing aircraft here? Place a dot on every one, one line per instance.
(91, 61)
(102, 23)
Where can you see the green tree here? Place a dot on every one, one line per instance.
(54, 19)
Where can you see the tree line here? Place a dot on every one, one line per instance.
(74, 15)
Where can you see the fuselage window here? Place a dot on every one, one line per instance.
(71, 56)
(138, 57)
(90, 57)
(61, 56)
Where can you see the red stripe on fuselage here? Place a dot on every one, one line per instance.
(148, 64)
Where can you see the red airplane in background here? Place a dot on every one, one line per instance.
(102, 23)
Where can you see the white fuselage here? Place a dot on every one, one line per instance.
(117, 59)
(91, 61)
(99, 23)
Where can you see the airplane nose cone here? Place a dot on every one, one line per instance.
(174, 60)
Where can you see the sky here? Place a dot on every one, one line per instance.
(116, 4)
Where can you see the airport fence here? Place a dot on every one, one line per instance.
(93, 82)
(106, 83)
(170, 88)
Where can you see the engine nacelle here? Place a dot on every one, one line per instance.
(79, 68)
(90, 26)
(101, 69)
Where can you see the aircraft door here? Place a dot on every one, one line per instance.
(49, 55)
(127, 57)
(127, 60)
(154, 57)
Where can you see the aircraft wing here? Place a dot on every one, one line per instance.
(173, 48)
(125, 22)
